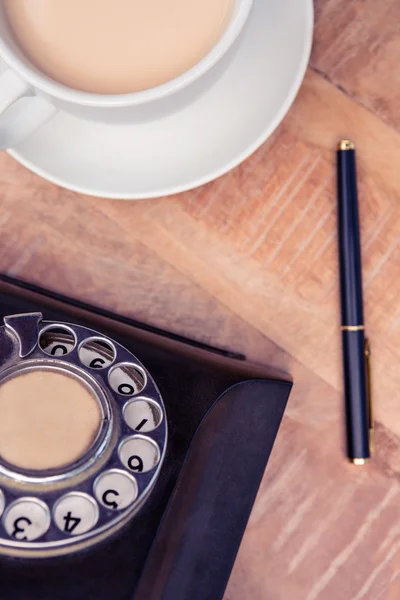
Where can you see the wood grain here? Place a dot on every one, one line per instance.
(250, 262)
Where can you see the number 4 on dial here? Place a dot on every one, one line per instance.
(71, 522)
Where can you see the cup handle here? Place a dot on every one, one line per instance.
(21, 111)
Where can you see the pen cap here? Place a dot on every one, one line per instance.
(349, 240)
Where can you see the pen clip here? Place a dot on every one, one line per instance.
(367, 354)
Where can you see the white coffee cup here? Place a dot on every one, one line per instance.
(28, 98)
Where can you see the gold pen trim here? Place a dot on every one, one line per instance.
(352, 328)
(346, 145)
(359, 461)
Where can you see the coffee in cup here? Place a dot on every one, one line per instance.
(100, 60)
(116, 46)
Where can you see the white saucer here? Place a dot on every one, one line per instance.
(201, 142)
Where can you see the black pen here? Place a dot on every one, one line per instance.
(356, 350)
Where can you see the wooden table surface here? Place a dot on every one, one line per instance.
(249, 262)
